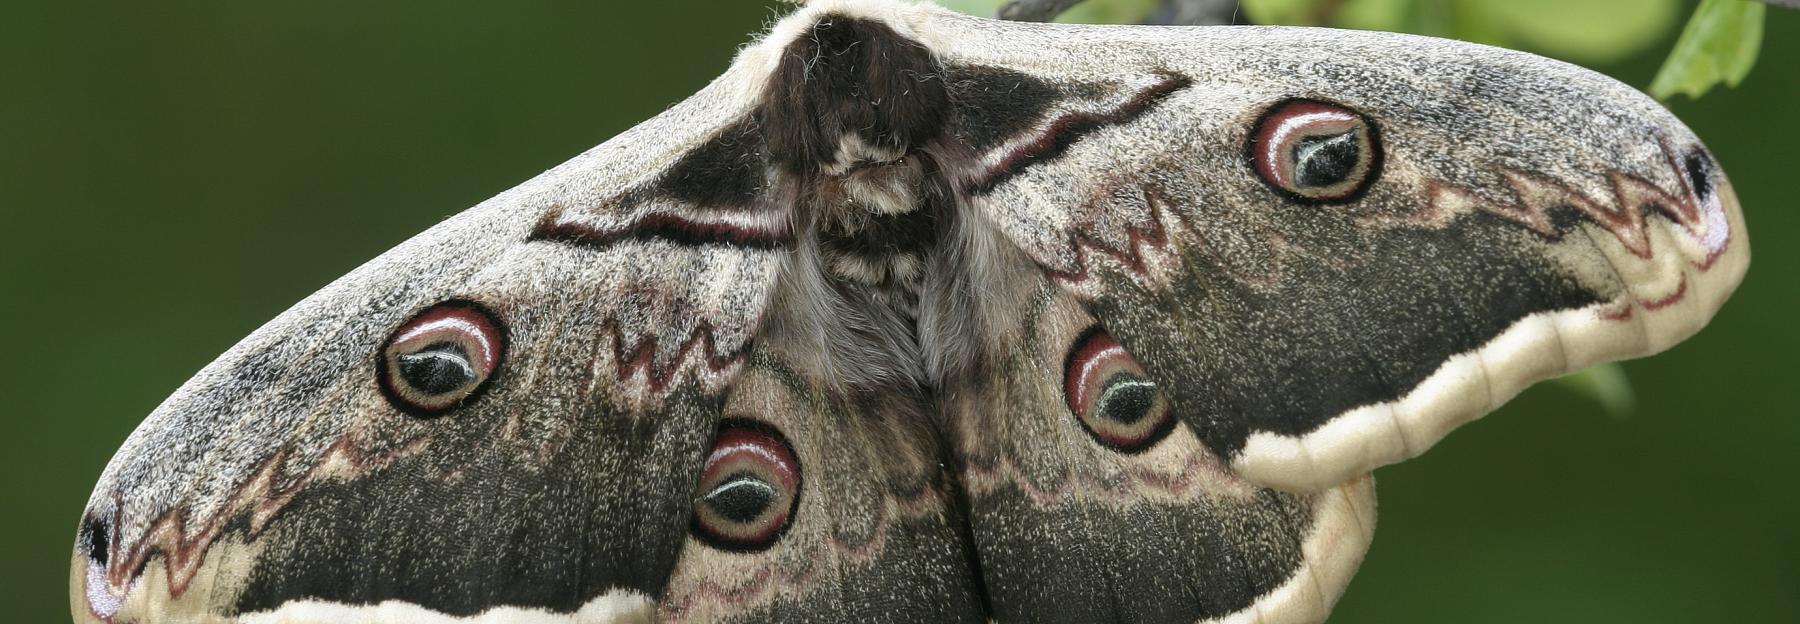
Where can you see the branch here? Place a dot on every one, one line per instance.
(1035, 10)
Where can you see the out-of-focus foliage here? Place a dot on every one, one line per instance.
(1116, 12)
(1605, 385)
(973, 7)
(1719, 44)
(1091, 12)
(1584, 31)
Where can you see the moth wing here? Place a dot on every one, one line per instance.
(874, 533)
(1521, 218)
(284, 482)
(1079, 514)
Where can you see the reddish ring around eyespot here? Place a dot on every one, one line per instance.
(441, 358)
(749, 487)
(1115, 401)
(1315, 152)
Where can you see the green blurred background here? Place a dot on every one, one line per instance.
(174, 174)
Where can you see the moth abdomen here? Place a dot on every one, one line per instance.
(877, 228)
(851, 91)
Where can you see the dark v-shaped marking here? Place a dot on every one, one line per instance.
(712, 193)
(1069, 127)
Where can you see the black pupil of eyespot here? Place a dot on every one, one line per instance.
(741, 498)
(438, 368)
(1127, 398)
(1326, 160)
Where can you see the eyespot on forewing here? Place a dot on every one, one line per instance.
(441, 358)
(1315, 152)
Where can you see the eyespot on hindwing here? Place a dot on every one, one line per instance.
(749, 487)
(1110, 394)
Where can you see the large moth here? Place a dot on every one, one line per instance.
(923, 317)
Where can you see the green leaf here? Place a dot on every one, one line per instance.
(1605, 384)
(1719, 45)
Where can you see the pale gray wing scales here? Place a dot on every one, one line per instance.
(1129, 334)
(1529, 218)
(285, 452)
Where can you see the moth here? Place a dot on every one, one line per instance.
(915, 316)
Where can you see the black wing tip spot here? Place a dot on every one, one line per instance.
(96, 539)
(1700, 170)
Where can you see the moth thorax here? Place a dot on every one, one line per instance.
(854, 152)
(852, 113)
(878, 223)
(883, 188)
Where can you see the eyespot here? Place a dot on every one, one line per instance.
(1315, 152)
(441, 358)
(749, 487)
(1110, 394)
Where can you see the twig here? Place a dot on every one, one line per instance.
(1035, 10)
